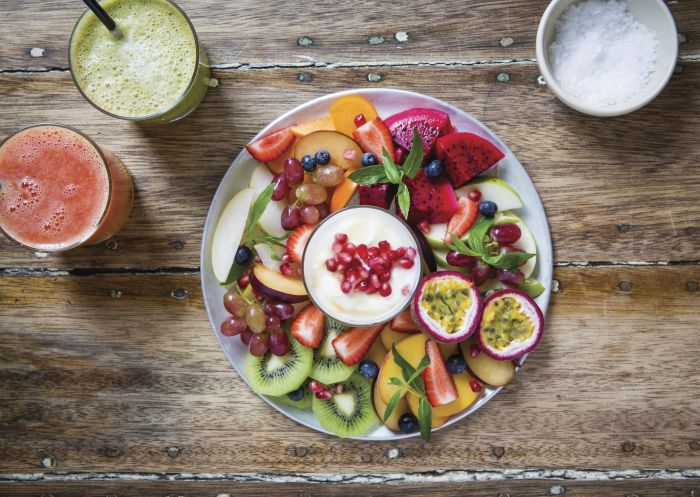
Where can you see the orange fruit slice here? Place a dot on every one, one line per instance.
(345, 109)
(343, 192)
(320, 124)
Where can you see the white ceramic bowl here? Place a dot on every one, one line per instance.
(387, 102)
(652, 13)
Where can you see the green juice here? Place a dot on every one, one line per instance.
(151, 69)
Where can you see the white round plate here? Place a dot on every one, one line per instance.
(387, 102)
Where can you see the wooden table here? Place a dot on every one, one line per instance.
(112, 383)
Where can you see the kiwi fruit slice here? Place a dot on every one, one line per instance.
(327, 368)
(278, 375)
(350, 413)
(304, 403)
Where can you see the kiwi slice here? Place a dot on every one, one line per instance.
(327, 368)
(278, 375)
(304, 403)
(347, 414)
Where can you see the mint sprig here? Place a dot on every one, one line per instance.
(390, 172)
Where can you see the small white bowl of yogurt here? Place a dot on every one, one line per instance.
(350, 272)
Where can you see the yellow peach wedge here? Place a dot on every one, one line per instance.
(412, 349)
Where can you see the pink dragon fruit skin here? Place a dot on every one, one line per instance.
(431, 200)
(380, 195)
(431, 125)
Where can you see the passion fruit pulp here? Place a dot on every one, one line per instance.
(511, 325)
(447, 306)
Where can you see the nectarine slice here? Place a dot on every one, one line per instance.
(390, 337)
(412, 349)
(380, 406)
(337, 144)
(376, 353)
(276, 166)
(320, 124)
(343, 192)
(436, 421)
(465, 396)
(488, 369)
(345, 109)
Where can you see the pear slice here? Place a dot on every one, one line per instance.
(229, 232)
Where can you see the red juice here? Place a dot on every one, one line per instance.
(58, 190)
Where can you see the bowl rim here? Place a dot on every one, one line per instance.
(573, 102)
(545, 261)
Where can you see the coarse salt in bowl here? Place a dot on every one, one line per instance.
(607, 57)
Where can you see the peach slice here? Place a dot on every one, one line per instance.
(447, 349)
(276, 166)
(343, 192)
(436, 421)
(320, 124)
(380, 406)
(412, 349)
(488, 369)
(276, 286)
(336, 144)
(376, 353)
(390, 336)
(465, 396)
(345, 109)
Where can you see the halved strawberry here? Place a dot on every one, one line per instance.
(297, 241)
(271, 146)
(308, 326)
(463, 219)
(439, 385)
(351, 346)
(404, 323)
(374, 135)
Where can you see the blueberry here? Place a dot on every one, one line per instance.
(323, 157)
(456, 364)
(308, 163)
(297, 394)
(369, 369)
(488, 208)
(434, 169)
(243, 255)
(408, 423)
(368, 159)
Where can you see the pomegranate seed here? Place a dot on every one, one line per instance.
(372, 252)
(424, 226)
(475, 386)
(406, 263)
(352, 276)
(286, 269)
(362, 251)
(360, 120)
(355, 264)
(474, 195)
(385, 276)
(346, 286)
(411, 253)
(257, 259)
(385, 289)
(342, 267)
(377, 265)
(384, 245)
(350, 248)
(474, 351)
(331, 264)
(344, 257)
(286, 257)
(243, 281)
(372, 289)
(337, 247)
(364, 274)
(401, 251)
(315, 386)
(362, 286)
(323, 395)
(393, 255)
(341, 237)
(374, 281)
(349, 154)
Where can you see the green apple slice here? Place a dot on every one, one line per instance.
(229, 232)
(269, 260)
(436, 236)
(270, 221)
(493, 189)
(526, 242)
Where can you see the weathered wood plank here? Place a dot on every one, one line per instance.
(614, 189)
(269, 32)
(673, 488)
(104, 373)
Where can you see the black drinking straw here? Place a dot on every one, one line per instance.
(101, 14)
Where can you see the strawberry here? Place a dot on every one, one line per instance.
(439, 385)
(463, 219)
(404, 323)
(271, 146)
(297, 241)
(373, 136)
(308, 326)
(351, 346)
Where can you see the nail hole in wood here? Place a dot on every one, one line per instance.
(112, 452)
(498, 451)
(692, 286)
(305, 77)
(172, 452)
(366, 457)
(557, 286)
(503, 77)
(694, 444)
(177, 245)
(623, 228)
(115, 294)
(305, 41)
(179, 294)
(506, 41)
(557, 490)
(393, 453)
(691, 230)
(625, 286)
(375, 40)
(503, 494)
(112, 244)
(373, 77)
(300, 451)
(628, 446)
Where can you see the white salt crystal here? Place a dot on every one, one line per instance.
(601, 53)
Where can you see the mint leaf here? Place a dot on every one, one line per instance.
(391, 170)
(369, 175)
(509, 260)
(406, 369)
(475, 237)
(238, 270)
(424, 363)
(396, 382)
(459, 246)
(258, 208)
(415, 157)
(425, 421)
(403, 198)
(392, 404)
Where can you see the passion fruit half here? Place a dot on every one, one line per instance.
(511, 325)
(447, 306)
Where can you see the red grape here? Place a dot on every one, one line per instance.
(290, 218)
(460, 260)
(272, 322)
(482, 272)
(246, 335)
(474, 195)
(284, 311)
(309, 214)
(281, 188)
(234, 303)
(506, 234)
(232, 326)
(509, 249)
(293, 172)
(279, 342)
(258, 344)
(322, 210)
(509, 277)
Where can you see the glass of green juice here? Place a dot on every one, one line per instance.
(152, 68)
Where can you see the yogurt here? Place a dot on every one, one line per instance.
(363, 225)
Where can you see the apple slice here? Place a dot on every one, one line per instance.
(276, 286)
(271, 259)
(336, 144)
(228, 233)
(495, 190)
(270, 222)
(436, 236)
(526, 242)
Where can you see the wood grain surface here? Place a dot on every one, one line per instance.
(622, 189)
(122, 370)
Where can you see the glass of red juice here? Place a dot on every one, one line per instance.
(60, 190)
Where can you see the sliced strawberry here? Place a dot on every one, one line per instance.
(404, 323)
(439, 385)
(297, 241)
(271, 146)
(373, 136)
(308, 326)
(463, 219)
(351, 346)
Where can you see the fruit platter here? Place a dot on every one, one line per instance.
(376, 264)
